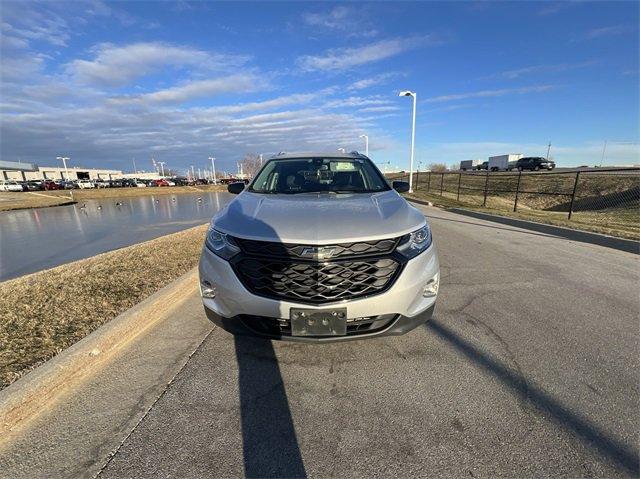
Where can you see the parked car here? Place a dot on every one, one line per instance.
(85, 184)
(483, 166)
(100, 183)
(139, 184)
(69, 185)
(170, 182)
(180, 181)
(160, 182)
(50, 185)
(534, 163)
(335, 253)
(10, 185)
(34, 185)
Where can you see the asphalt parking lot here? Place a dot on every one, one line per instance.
(529, 368)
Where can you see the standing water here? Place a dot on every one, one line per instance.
(37, 239)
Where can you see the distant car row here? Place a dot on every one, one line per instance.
(46, 185)
(531, 163)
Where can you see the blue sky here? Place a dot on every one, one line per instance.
(106, 82)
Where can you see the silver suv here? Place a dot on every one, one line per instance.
(319, 247)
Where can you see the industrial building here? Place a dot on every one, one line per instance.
(18, 171)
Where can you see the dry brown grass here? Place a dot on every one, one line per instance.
(15, 201)
(623, 223)
(43, 313)
(18, 201)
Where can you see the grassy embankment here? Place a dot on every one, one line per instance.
(43, 313)
(15, 201)
(607, 204)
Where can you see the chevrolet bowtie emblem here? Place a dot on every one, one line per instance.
(318, 253)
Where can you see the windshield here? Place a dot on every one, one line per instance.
(308, 175)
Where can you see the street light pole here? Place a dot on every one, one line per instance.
(548, 150)
(213, 168)
(193, 173)
(366, 144)
(64, 162)
(413, 134)
(604, 148)
(161, 163)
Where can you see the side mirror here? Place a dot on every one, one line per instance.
(401, 186)
(235, 188)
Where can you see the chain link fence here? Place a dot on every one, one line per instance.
(606, 197)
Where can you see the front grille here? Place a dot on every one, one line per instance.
(341, 250)
(316, 282)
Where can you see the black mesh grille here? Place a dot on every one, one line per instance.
(362, 248)
(316, 282)
(282, 327)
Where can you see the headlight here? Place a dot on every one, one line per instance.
(415, 243)
(221, 244)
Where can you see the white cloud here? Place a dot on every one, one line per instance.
(540, 69)
(357, 101)
(607, 31)
(118, 65)
(195, 89)
(383, 108)
(278, 102)
(345, 58)
(34, 24)
(491, 93)
(551, 8)
(373, 81)
(335, 18)
(340, 18)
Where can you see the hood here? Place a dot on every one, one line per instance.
(318, 218)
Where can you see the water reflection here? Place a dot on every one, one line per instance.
(32, 240)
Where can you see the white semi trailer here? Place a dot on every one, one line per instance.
(469, 164)
(503, 162)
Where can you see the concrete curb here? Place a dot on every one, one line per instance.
(621, 244)
(33, 393)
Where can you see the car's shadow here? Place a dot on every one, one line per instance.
(270, 445)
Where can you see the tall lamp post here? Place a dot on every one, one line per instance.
(413, 134)
(366, 144)
(161, 163)
(213, 168)
(64, 163)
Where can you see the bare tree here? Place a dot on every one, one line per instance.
(250, 164)
(438, 167)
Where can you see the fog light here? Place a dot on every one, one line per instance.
(207, 290)
(431, 288)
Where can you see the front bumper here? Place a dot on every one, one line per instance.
(233, 303)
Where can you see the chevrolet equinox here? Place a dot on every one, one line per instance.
(319, 247)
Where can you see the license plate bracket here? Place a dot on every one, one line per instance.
(318, 322)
